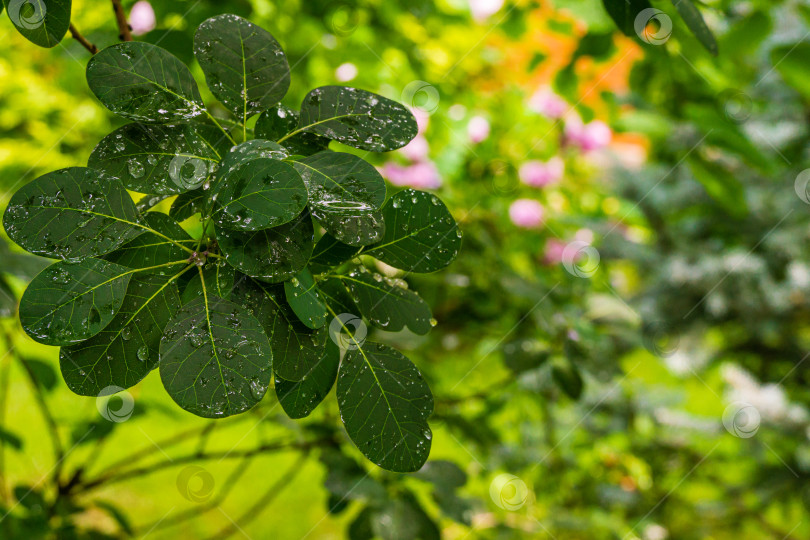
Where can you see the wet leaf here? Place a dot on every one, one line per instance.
(335, 295)
(329, 252)
(95, 215)
(384, 404)
(42, 22)
(145, 83)
(420, 234)
(187, 204)
(259, 194)
(70, 302)
(127, 349)
(219, 281)
(299, 398)
(356, 118)
(345, 193)
(244, 65)
(387, 305)
(155, 246)
(276, 122)
(302, 295)
(158, 159)
(272, 255)
(215, 358)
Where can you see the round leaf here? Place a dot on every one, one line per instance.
(384, 404)
(244, 66)
(145, 83)
(70, 302)
(357, 118)
(215, 358)
(127, 349)
(420, 233)
(302, 295)
(71, 213)
(42, 22)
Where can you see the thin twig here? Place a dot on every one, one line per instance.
(81, 39)
(124, 31)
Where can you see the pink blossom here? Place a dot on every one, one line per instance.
(547, 103)
(554, 251)
(539, 173)
(481, 9)
(346, 72)
(142, 18)
(589, 137)
(417, 149)
(526, 213)
(419, 175)
(422, 118)
(478, 129)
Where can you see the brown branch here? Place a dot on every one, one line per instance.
(81, 39)
(124, 30)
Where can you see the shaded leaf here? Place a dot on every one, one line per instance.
(70, 302)
(299, 398)
(420, 234)
(384, 404)
(524, 354)
(404, 519)
(624, 13)
(302, 295)
(568, 378)
(145, 83)
(187, 204)
(272, 255)
(219, 281)
(244, 65)
(335, 295)
(329, 252)
(443, 474)
(276, 122)
(154, 246)
(158, 159)
(243, 153)
(215, 358)
(356, 118)
(259, 194)
(386, 304)
(42, 22)
(95, 215)
(127, 349)
(694, 20)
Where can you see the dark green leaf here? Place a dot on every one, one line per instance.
(244, 153)
(384, 404)
(10, 439)
(302, 295)
(145, 83)
(624, 13)
(420, 233)
(215, 359)
(335, 295)
(296, 348)
(272, 255)
(524, 355)
(356, 118)
(694, 20)
(299, 398)
(187, 204)
(791, 62)
(95, 215)
(70, 302)
(127, 349)
(404, 519)
(259, 194)
(148, 202)
(157, 159)
(275, 123)
(219, 281)
(568, 378)
(345, 193)
(155, 246)
(443, 474)
(329, 252)
(244, 66)
(386, 304)
(42, 22)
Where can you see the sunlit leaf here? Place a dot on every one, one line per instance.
(244, 65)
(356, 118)
(302, 295)
(70, 302)
(95, 215)
(145, 83)
(384, 404)
(127, 349)
(42, 22)
(420, 234)
(215, 358)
